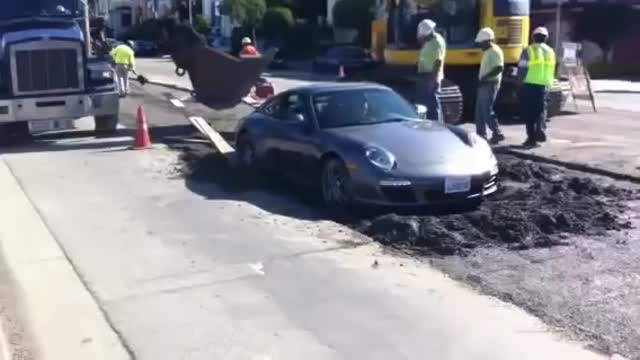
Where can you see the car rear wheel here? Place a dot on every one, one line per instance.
(336, 185)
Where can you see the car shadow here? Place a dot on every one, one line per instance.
(67, 141)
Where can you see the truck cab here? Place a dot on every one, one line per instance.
(47, 75)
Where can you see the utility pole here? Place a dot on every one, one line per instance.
(87, 27)
(558, 28)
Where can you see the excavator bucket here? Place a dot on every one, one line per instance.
(220, 80)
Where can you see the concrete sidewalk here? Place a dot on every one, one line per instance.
(606, 141)
(53, 316)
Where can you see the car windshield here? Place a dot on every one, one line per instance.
(346, 53)
(361, 107)
(15, 9)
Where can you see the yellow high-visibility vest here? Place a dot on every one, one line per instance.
(123, 55)
(541, 65)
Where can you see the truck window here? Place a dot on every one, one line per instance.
(15, 9)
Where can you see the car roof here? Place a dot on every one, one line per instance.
(325, 87)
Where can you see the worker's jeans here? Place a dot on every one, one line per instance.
(122, 72)
(485, 115)
(532, 107)
(428, 94)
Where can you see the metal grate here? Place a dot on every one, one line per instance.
(47, 70)
(510, 31)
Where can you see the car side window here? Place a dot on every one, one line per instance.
(292, 109)
(271, 108)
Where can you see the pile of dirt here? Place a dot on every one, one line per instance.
(536, 206)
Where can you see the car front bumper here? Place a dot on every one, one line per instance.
(59, 107)
(428, 191)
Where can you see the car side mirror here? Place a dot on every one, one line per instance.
(422, 111)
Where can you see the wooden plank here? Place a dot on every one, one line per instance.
(213, 136)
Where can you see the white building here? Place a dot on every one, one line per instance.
(123, 14)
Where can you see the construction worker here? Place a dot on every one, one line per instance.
(489, 79)
(124, 58)
(430, 69)
(537, 71)
(248, 50)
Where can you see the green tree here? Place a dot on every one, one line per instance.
(201, 25)
(277, 21)
(248, 13)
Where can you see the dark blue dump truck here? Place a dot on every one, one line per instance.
(48, 76)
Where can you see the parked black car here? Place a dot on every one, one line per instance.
(145, 48)
(278, 62)
(349, 57)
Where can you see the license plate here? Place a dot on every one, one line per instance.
(49, 125)
(457, 184)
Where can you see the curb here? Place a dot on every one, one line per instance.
(164, 84)
(40, 267)
(571, 165)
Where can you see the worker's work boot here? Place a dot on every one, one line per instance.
(496, 138)
(530, 143)
(541, 136)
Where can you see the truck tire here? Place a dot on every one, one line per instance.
(106, 124)
(14, 133)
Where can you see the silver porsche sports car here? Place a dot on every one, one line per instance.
(365, 145)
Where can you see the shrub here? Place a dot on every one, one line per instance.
(201, 25)
(277, 21)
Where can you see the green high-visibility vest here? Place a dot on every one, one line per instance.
(541, 65)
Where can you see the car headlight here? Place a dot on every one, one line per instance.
(101, 74)
(381, 158)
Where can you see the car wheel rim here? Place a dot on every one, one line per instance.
(335, 188)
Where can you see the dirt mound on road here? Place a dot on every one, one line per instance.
(536, 206)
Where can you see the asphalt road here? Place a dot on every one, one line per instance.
(188, 270)
(587, 286)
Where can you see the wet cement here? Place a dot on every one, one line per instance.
(560, 244)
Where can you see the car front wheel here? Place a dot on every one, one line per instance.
(336, 185)
(246, 153)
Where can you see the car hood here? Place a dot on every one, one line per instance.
(423, 148)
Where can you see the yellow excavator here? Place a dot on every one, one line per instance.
(394, 46)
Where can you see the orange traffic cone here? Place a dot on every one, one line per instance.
(142, 141)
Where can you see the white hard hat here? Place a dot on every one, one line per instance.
(485, 34)
(541, 30)
(246, 41)
(426, 27)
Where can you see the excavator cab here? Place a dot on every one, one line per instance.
(219, 80)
